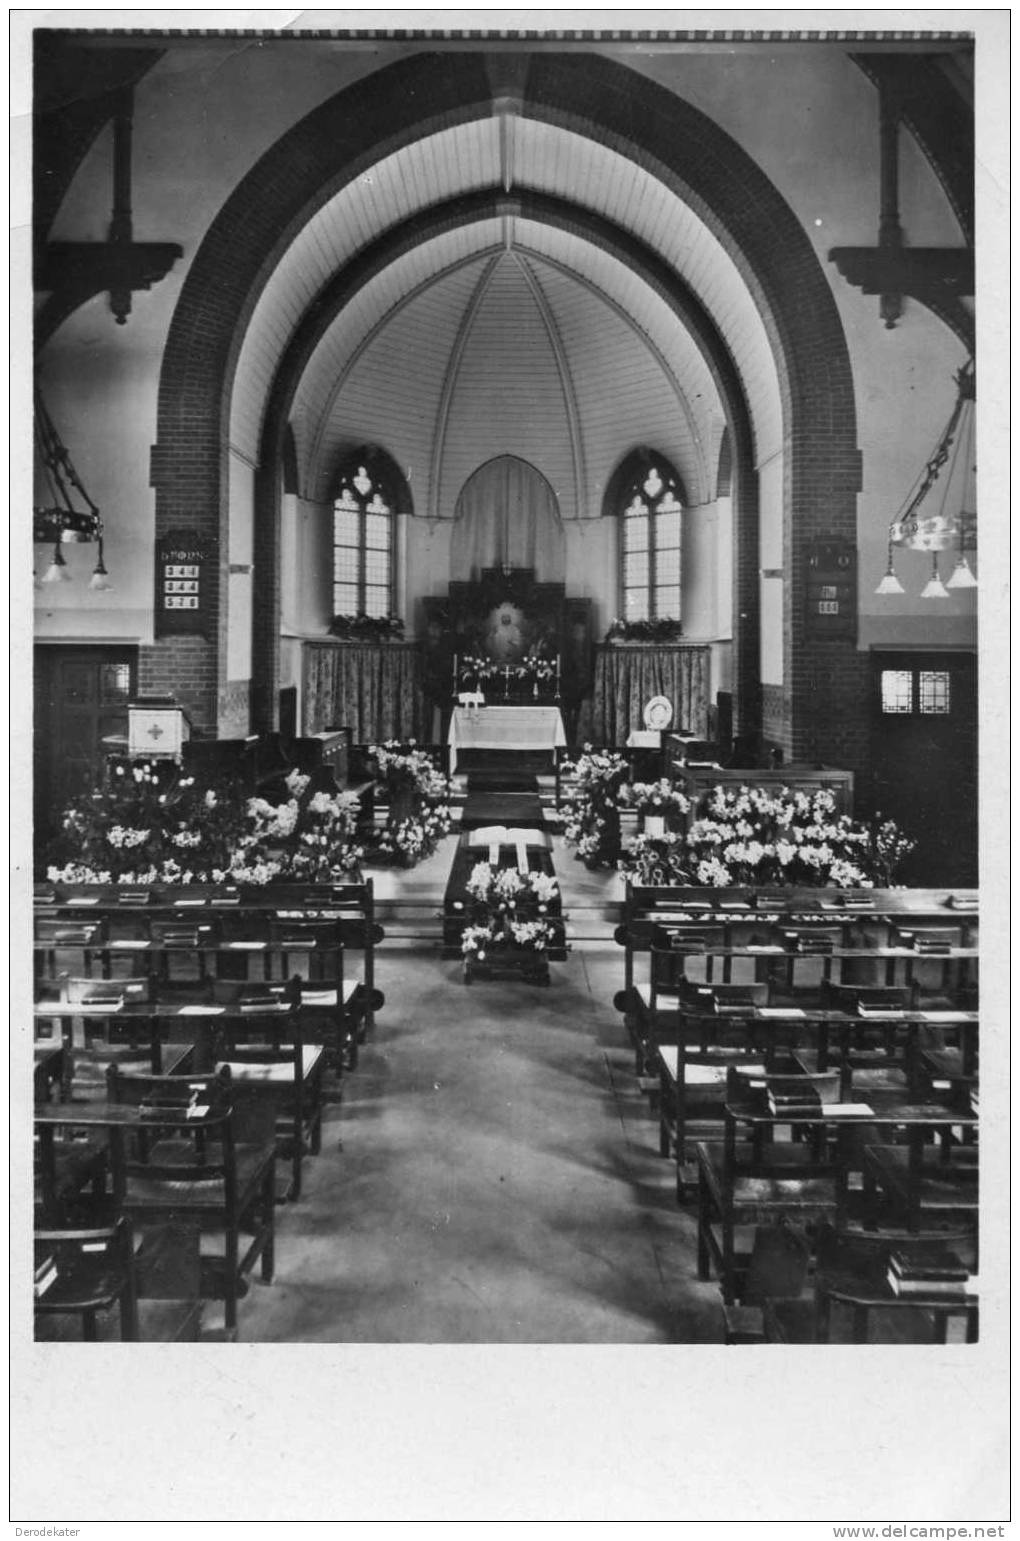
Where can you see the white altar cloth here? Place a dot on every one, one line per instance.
(505, 727)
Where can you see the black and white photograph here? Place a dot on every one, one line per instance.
(507, 906)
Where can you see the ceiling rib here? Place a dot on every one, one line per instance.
(362, 346)
(649, 342)
(449, 384)
(566, 383)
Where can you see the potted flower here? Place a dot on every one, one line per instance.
(418, 809)
(149, 822)
(591, 806)
(659, 805)
(751, 836)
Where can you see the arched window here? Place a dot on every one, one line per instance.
(647, 497)
(368, 496)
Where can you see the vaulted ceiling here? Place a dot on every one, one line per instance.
(498, 330)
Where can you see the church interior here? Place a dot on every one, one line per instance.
(505, 687)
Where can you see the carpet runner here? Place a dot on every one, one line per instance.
(497, 798)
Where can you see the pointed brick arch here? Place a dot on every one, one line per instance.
(589, 95)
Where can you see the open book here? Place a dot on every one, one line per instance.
(501, 834)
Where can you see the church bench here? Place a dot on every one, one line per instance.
(220, 929)
(754, 1175)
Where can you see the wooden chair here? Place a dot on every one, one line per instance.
(655, 1003)
(183, 948)
(777, 1271)
(260, 1040)
(242, 947)
(71, 1178)
(168, 1269)
(203, 1150)
(65, 940)
(759, 1178)
(918, 1184)
(85, 1273)
(873, 1049)
(100, 1014)
(334, 998)
(854, 1299)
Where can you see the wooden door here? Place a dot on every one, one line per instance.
(924, 759)
(81, 698)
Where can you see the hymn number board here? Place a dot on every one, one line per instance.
(184, 565)
(831, 590)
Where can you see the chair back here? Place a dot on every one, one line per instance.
(725, 999)
(866, 1254)
(870, 998)
(66, 931)
(746, 1085)
(184, 1133)
(94, 994)
(77, 1269)
(778, 1266)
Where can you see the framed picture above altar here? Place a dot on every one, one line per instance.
(510, 637)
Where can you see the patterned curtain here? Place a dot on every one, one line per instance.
(507, 516)
(627, 677)
(375, 689)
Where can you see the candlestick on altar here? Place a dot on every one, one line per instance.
(456, 680)
(557, 674)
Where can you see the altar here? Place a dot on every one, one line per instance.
(505, 727)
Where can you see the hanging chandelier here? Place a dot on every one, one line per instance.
(940, 511)
(62, 521)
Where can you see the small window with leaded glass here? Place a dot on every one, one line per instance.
(649, 504)
(933, 692)
(897, 690)
(363, 539)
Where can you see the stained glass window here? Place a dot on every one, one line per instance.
(649, 507)
(363, 538)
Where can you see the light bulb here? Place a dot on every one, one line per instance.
(100, 580)
(934, 588)
(961, 576)
(57, 571)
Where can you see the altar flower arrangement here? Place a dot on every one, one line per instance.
(753, 837)
(591, 806)
(418, 795)
(533, 669)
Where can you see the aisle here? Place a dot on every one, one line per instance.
(499, 1180)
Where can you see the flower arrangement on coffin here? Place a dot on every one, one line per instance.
(753, 837)
(643, 631)
(367, 628)
(418, 795)
(509, 912)
(591, 814)
(148, 822)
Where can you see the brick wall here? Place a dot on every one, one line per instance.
(821, 706)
